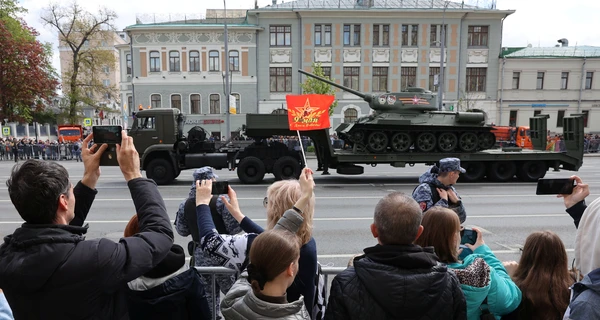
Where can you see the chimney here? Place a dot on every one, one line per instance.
(274, 2)
(564, 42)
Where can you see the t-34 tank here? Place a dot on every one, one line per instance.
(402, 120)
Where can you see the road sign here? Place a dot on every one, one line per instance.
(6, 131)
(87, 122)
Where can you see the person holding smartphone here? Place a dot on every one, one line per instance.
(585, 301)
(484, 280)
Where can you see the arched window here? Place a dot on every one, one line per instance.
(155, 101)
(195, 104)
(350, 115)
(174, 65)
(194, 61)
(215, 104)
(176, 101)
(213, 60)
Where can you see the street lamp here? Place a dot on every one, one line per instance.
(442, 53)
(227, 85)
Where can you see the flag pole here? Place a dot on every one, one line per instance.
(302, 148)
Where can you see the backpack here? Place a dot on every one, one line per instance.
(192, 222)
(320, 302)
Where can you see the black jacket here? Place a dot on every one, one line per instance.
(396, 282)
(52, 272)
(178, 298)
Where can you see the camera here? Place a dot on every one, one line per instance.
(220, 187)
(107, 134)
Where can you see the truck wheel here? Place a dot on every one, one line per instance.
(531, 171)
(286, 168)
(502, 171)
(161, 171)
(475, 171)
(251, 170)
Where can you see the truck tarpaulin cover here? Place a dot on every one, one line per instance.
(309, 111)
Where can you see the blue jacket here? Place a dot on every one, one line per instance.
(503, 295)
(585, 303)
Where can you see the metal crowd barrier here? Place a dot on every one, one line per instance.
(214, 271)
(591, 146)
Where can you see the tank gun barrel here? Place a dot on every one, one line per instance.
(362, 95)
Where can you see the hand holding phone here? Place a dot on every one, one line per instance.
(107, 134)
(220, 187)
(555, 186)
(468, 235)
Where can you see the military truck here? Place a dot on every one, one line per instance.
(165, 151)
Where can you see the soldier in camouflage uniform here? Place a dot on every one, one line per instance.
(436, 187)
(224, 282)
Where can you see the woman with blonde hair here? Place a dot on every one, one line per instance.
(483, 279)
(273, 266)
(543, 276)
(290, 206)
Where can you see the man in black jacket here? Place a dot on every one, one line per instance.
(47, 268)
(396, 279)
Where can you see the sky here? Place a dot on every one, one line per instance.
(535, 22)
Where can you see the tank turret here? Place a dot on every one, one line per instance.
(409, 121)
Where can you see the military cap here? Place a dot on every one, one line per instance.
(450, 164)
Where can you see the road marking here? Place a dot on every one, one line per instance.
(348, 219)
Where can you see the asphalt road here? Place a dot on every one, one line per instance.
(507, 212)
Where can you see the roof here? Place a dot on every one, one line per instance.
(185, 20)
(373, 4)
(553, 52)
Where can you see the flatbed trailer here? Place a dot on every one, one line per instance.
(494, 164)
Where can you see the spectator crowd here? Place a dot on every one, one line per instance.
(420, 266)
(14, 149)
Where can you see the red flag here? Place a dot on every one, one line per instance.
(309, 111)
(101, 115)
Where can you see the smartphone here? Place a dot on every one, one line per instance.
(220, 187)
(468, 236)
(555, 186)
(107, 134)
(109, 156)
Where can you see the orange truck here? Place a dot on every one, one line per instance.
(514, 136)
(70, 132)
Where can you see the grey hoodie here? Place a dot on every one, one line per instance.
(241, 303)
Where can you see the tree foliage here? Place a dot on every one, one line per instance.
(85, 36)
(312, 85)
(27, 79)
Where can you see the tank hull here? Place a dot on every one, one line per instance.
(425, 132)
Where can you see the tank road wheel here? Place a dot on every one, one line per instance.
(425, 142)
(286, 168)
(357, 136)
(467, 142)
(531, 171)
(502, 171)
(377, 141)
(161, 171)
(251, 170)
(401, 142)
(475, 171)
(486, 140)
(447, 141)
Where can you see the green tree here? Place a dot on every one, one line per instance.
(312, 85)
(27, 79)
(83, 34)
